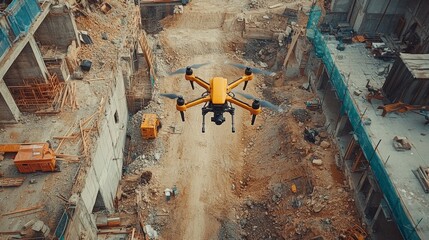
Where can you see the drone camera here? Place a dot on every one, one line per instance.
(218, 118)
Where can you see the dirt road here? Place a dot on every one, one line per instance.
(237, 185)
(200, 164)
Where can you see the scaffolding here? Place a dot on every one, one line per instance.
(348, 107)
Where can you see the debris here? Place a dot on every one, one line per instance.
(167, 193)
(366, 121)
(293, 188)
(310, 135)
(401, 143)
(104, 36)
(296, 203)
(85, 38)
(178, 9)
(175, 191)
(275, 5)
(33, 181)
(317, 162)
(422, 174)
(151, 233)
(301, 115)
(357, 92)
(325, 144)
(85, 65)
(11, 182)
(145, 178)
(37, 226)
(318, 207)
(305, 86)
(313, 104)
(105, 8)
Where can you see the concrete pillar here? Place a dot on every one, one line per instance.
(9, 112)
(373, 225)
(340, 125)
(39, 58)
(362, 181)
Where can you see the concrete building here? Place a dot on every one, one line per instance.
(392, 201)
(401, 19)
(39, 52)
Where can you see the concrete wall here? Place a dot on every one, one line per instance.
(416, 11)
(82, 223)
(341, 5)
(28, 65)
(377, 16)
(106, 169)
(59, 28)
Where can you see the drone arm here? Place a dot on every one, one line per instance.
(237, 82)
(192, 103)
(192, 78)
(244, 105)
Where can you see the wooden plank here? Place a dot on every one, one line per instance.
(27, 213)
(11, 182)
(292, 46)
(23, 210)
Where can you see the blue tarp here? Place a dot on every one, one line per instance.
(4, 42)
(21, 14)
(62, 226)
(349, 107)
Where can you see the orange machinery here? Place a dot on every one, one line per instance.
(150, 125)
(32, 157)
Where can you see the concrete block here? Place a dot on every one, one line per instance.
(37, 226)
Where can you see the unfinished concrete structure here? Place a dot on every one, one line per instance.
(34, 52)
(391, 199)
(400, 19)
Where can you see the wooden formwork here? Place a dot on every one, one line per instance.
(35, 95)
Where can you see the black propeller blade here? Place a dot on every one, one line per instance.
(263, 102)
(170, 95)
(254, 70)
(183, 70)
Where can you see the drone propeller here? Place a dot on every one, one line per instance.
(262, 102)
(255, 70)
(183, 70)
(170, 95)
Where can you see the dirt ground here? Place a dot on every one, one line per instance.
(233, 185)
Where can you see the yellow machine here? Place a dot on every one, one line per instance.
(32, 157)
(150, 125)
(218, 97)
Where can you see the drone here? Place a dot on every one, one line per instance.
(219, 97)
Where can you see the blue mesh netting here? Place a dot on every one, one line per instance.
(350, 108)
(21, 14)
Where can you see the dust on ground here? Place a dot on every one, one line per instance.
(234, 185)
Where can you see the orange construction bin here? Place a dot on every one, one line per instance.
(35, 157)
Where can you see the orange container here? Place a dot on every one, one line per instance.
(35, 157)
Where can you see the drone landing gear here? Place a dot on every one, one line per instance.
(218, 117)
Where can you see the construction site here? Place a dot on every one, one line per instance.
(204, 119)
